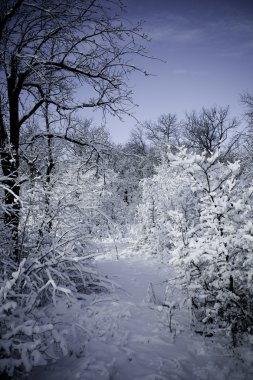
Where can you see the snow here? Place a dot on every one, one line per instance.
(140, 330)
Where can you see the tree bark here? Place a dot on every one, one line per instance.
(10, 165)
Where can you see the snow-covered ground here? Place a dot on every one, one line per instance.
(127, 334)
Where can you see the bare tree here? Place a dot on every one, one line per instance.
(208, 130)
(165, 130)
(62, 47)
(152, 139)
(247, 100)
(247, 138)
(137, 143)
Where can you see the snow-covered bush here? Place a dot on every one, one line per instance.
(199, 210)
(22, 338)
(167, 200)
(26, 333)
(216, 254)
(56, 246)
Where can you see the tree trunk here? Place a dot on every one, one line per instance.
(50, 166)
(10, 168)
(11, 201)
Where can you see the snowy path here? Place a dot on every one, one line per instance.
(129, 338)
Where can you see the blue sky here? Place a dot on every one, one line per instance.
(208, 49)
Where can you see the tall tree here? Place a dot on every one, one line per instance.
(52, 45)
(208, 130)
(247, 152)
(247, 100)
(164, 131)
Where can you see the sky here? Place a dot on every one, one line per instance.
(206, 48)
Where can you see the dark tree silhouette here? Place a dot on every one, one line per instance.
(48, 51)
(208, 130)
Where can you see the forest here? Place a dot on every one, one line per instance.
(179, 191)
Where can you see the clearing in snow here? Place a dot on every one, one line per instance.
(140, 330)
